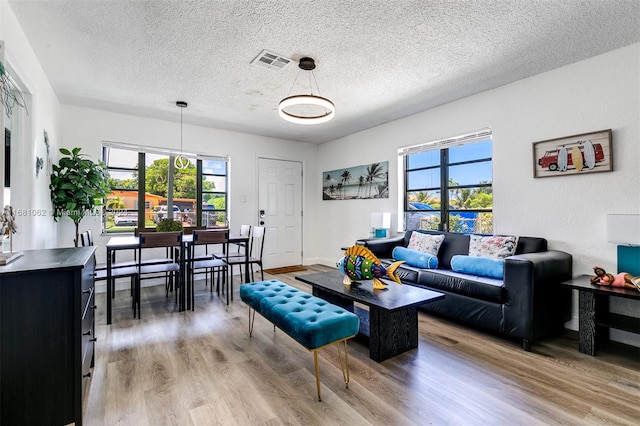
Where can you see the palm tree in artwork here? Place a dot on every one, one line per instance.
(361, 182)
(328, 181)
(374, 172)
(345, 178)
(339, 189)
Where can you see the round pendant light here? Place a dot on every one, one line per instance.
(181, 162)
(307, 109)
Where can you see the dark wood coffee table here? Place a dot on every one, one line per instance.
(390, 324)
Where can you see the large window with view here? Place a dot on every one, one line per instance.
(448, 185)
(192, 190)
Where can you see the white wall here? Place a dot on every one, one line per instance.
(30, 195)
(570, 211)
(88, 128)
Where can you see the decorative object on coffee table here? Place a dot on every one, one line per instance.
(359, 263)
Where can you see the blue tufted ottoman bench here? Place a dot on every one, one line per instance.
(309, 320)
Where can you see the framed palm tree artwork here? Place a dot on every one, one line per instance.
(353, 183)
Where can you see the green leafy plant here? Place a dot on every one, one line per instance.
(78, 186)
(168, 225)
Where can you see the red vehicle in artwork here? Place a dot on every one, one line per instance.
(550, 158)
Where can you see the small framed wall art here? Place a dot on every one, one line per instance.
(573, 155)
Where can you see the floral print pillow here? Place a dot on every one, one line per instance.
(425, 243)
(493, 246)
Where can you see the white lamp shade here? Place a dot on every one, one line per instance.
(623, 228)
(381, 220)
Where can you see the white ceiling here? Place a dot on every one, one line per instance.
(376, 60)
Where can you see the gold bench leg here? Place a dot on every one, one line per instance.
(252, 319)
(315, 360)
(344, 365)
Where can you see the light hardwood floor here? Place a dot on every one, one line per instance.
(202, 368)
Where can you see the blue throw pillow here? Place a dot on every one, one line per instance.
(415, 258)
(483, 266)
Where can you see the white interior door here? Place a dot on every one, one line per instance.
(280, 211)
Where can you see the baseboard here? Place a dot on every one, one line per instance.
(331, 263)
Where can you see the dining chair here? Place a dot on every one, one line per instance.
(256, 247)
(126, 269)
(86, 239)
(245, 231)
(147, 240)
(208, 263)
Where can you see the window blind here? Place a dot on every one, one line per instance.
(162, 151)
(446, 143)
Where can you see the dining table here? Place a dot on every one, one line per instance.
(132, 242)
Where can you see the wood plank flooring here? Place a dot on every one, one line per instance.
(202, 368)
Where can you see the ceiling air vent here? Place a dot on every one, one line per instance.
(271, 60)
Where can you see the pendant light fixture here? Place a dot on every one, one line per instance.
(181, 162)
(307, 109)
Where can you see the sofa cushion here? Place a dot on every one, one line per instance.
(483, 266)
(415, 258)
(453, 244)
(425, 243)
(493, 246)
(531, 245)
(485, 288)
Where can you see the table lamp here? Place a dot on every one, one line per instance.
(380, 222)
(624, 229)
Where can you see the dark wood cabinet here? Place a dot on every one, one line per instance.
(46, 335)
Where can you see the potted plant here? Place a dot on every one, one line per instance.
(78, 185)
(168, 225)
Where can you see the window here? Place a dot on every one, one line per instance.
(202, 178)
(448, 185)
(214, 195)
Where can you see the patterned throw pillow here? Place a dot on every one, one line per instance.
(493, 246)
(426, 243)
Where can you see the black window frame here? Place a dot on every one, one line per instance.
(141, 189)
(446, 210)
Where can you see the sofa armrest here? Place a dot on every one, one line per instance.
(536, 303)
(383, 247)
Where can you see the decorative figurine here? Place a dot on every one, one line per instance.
(8, 222)
(359, 263)
(622, 279)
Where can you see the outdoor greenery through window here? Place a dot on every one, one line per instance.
(450, 187)
(148, 195)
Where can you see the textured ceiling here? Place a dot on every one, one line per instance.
(376, 60)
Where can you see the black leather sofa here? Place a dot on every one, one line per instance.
(526, 304)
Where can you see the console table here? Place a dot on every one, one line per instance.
(593, 310)
(46, 335)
